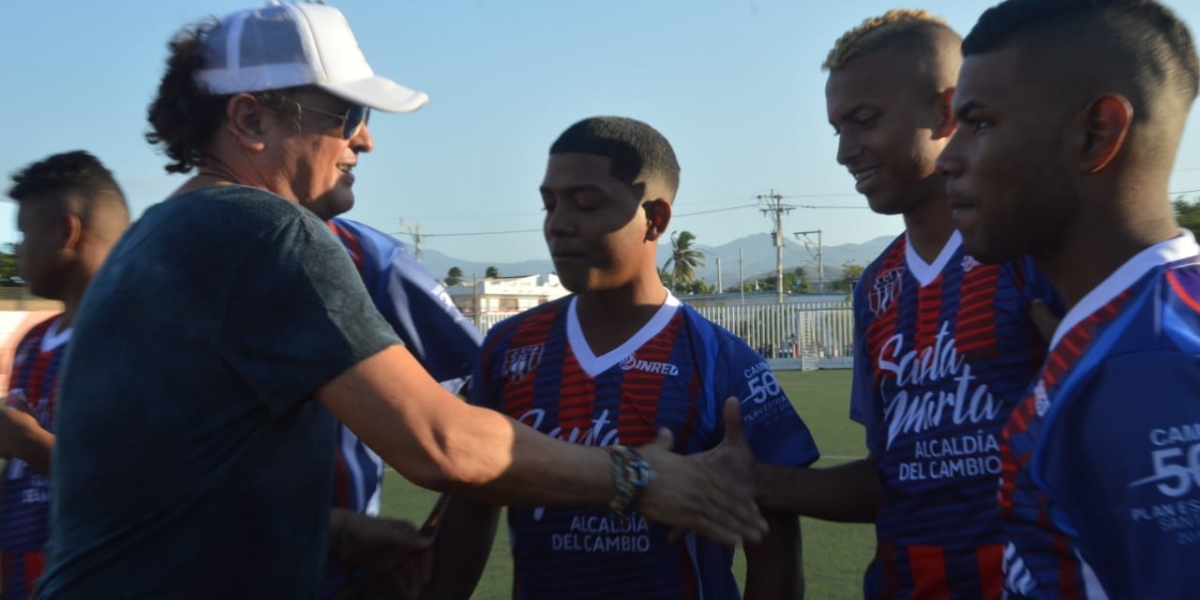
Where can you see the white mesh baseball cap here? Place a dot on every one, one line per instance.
(288, 45)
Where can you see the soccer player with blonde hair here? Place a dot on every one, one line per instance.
(944, 345)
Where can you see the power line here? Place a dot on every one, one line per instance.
(715, 210)
(464, 234)
(821, 195)
(678, 216)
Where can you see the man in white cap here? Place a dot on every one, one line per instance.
(229, 327)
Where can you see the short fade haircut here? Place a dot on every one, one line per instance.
(76, 171)
(878, 32)
(1155, 41)
(636, 149)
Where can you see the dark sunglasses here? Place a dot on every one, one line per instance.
(353, 119)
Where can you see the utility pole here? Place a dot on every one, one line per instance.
(475, 300)
(720, 286)
(820, 258)
(773, 206)
(414, 230)
(741, 276)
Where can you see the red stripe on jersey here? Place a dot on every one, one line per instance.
(1182, 292)
(991, 570)
(929, 314)
(577, 395)
(352, 245)
(886, 554)
(641, 390)
(1068, 582)
(928, 565)
(34, 565)
(1010, 463)
(689, 581)
(41, 389)
(976, 323)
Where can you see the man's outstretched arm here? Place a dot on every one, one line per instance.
(441, 443)
(845, 493)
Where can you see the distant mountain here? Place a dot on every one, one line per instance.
(439, 264)
(758, 259)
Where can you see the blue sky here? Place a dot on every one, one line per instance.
(734, 84)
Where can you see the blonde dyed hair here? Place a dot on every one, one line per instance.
(876, 32)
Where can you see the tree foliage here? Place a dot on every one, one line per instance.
(851, 273)
(681, 266)
(1188, 214)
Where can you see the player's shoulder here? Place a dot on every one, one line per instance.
(892, 256)
(540, 314)
(726, 344)
(40, 330)
(30, 342)
(43, 327)
(1183, 279)
(360, 230)
(350, 231)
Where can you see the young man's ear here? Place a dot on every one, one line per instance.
(71, 228)
(946, 121)
(658, 217)
(1105, 125)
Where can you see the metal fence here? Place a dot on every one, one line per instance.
(820, 335)
(796, 335)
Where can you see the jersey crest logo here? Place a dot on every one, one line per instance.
(1041, 399)
(520, 362)
(885, 290)
(969, 263)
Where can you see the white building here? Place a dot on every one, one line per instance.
(494, 299)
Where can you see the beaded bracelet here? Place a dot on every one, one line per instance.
(630, 475)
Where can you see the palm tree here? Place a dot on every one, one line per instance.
(684, 259)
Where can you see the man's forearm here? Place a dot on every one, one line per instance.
(845, 493)
(36, 450)
(445, 445)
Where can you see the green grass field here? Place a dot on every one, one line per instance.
(834, 554)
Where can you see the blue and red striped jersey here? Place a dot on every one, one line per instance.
(431, 327)
(944, 351)
(25, 501)
(1100, 493)
(674, 373)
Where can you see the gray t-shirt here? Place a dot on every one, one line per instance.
(191, 459)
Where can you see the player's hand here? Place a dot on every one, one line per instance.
(711, 493)
(1044, 319)
(397, 555)
(732, 458)
(17, 427)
